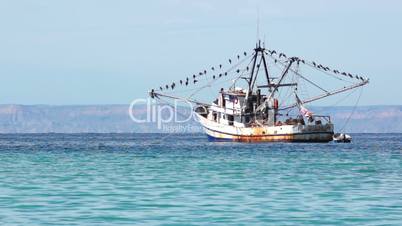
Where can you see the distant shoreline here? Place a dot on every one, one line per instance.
(76, 119)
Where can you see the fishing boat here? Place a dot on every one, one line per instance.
(255, 107)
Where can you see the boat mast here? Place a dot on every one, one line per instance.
(277, 85)
(255, 68)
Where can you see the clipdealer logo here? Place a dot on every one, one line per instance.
(161, 114)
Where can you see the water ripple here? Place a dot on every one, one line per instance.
(104, 179)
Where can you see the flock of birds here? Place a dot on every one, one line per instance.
(319, 66)
(193, 79)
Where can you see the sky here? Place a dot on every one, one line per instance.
(69, 52)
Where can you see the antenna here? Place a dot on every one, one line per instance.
(258, 23)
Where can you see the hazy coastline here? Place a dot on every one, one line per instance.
(111, 118)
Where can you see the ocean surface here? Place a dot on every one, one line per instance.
(157, 179)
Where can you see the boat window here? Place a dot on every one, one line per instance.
(230, 119)
(246, 119)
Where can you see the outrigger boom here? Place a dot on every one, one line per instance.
(365, 82)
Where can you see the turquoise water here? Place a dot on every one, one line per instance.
(90, 179)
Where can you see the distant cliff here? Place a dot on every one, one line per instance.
(116, 119)
(365, 119)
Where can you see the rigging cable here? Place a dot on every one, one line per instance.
(353, 111)
(301, 76)
(171, 133)
(209, 84)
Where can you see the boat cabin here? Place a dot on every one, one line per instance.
(235, 107)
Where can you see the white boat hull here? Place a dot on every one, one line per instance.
(283, 133)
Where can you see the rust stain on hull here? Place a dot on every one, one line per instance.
(286, 138)
(261, 136)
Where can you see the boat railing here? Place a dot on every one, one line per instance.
(327, 118)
